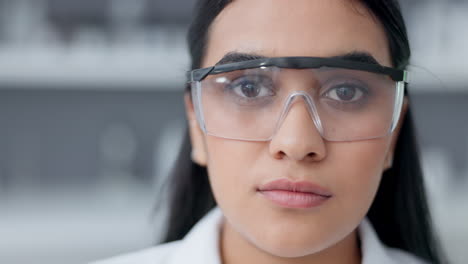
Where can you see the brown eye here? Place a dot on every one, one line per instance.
(252, 86)
(345, 93)
(249, 89)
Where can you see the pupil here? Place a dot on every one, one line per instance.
(345, 93)
(250, 90)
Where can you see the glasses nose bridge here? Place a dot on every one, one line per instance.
(296, 97)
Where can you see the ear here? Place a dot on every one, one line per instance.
(198, 154)
(396, 133)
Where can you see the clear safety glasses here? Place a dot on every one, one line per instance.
(346, 100)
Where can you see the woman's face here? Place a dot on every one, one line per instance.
(351, 171)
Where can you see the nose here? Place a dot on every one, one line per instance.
(297, 137)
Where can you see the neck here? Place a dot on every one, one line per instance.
(235, 249)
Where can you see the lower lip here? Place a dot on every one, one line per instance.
(294, 199)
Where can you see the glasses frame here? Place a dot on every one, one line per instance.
(195, 77)
(397, 75)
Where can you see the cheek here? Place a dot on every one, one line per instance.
(357, 173)
(230, 165)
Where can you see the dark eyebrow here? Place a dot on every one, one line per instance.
(232, 57)
(356, 56)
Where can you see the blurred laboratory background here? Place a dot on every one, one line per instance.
(91, 117)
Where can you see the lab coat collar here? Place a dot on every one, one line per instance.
(201, 244)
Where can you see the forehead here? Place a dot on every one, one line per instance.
(276, 28)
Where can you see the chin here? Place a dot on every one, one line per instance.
(292, 247)
(286, 251)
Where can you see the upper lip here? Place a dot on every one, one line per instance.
(298, 186)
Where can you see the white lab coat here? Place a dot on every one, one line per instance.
(200, 246)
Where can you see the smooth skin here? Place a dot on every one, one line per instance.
(255, 230)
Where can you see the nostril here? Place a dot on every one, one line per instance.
(312, 156)
(280, 155)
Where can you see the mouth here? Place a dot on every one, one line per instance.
(289, 194)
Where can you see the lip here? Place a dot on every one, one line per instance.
(301, 194)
